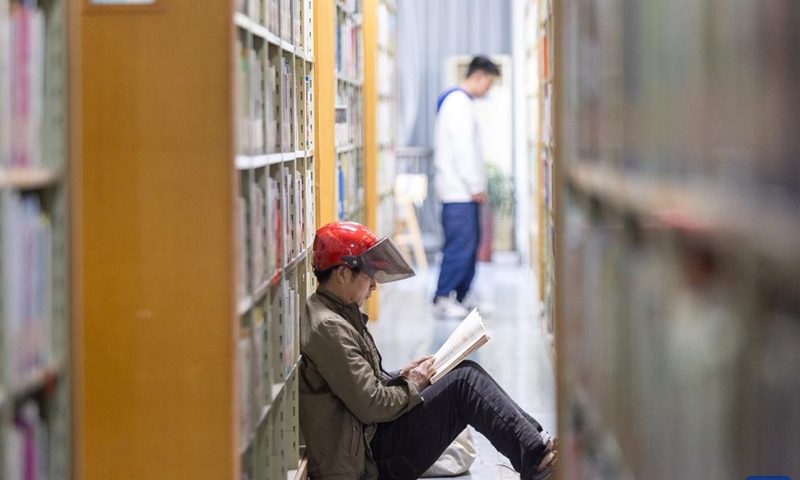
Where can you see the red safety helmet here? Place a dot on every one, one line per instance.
(354, 245)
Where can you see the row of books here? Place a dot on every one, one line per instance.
(349, 49)
(27, 285)
(387, 27)
(353, 6)
(266, 102)
(277, 227)
(733, 102)
(386, 122)
(662, 346)
(349, 121)
(387, 83)
(387, 168)
(268, 350)
(256, 366)
(24, 74)
(284, 18)
(26, 445)
(350, 182)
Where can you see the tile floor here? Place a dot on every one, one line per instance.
(516, 355)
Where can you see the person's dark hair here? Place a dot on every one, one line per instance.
(483, 64)
(325, 275)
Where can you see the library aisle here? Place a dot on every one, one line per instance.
(517, 354)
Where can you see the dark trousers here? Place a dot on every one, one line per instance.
(405, 448)
(461, 225)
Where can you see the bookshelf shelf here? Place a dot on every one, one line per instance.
(246, 304)
(29, 178)
(296, 261)
(762, 226)
(347, 148)
(349, 80)
(350, 7)
(37, 380)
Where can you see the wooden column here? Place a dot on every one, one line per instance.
(154, 246)
(371, 150)
(325, 98)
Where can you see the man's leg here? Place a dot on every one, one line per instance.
(472, 230)
(408, 446)
(456, 253)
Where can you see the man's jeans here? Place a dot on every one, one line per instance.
(405, 448)
(461, 225)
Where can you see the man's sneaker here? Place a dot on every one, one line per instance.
(448, 307)
(470, 302)
(483, 306)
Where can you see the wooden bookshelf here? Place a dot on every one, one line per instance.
(678, 251)
(194, 220)
(35, 325)
(541, 151)
(349, 110)
(385, 101)
(277, 222)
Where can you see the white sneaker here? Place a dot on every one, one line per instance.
(448, 307)
(470, 302)
(483, 306)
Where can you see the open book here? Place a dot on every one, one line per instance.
(465, 339)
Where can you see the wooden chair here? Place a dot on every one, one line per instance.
(409, 190)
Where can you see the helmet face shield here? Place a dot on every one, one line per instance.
(383, 261)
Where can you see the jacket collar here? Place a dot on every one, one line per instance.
(348, 311)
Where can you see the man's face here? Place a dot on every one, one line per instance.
(483, 83)
(360, 287)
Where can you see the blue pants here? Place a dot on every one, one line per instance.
(462, 231)
(404, 448)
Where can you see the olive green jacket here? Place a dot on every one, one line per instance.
(344, 392)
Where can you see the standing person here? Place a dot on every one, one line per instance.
(361, 422)
(460, 185)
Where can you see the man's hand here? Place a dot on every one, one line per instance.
(404, 371)
(480, 197)
(421, 374)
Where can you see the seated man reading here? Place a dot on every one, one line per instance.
(361, 422)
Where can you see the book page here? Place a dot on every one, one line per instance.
(467, 337)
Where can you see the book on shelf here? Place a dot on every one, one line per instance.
(273, 107)
(286, 20)
(260, 373)
(300, 207)
(273, 18)
(469, 336)
(245, 352)
(278, 316)
(257, 235)
(296, 23)
(26, 45)
(27, 286)
(288, 202)
(242, 257)
(258, 102)
(242, 98)
(26, 443)
(290, 320)
(310, 220)
(287, 127)
(273, 226)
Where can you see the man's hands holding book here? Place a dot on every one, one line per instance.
(419, 372)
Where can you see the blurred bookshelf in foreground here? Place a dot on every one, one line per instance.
(678, 246)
